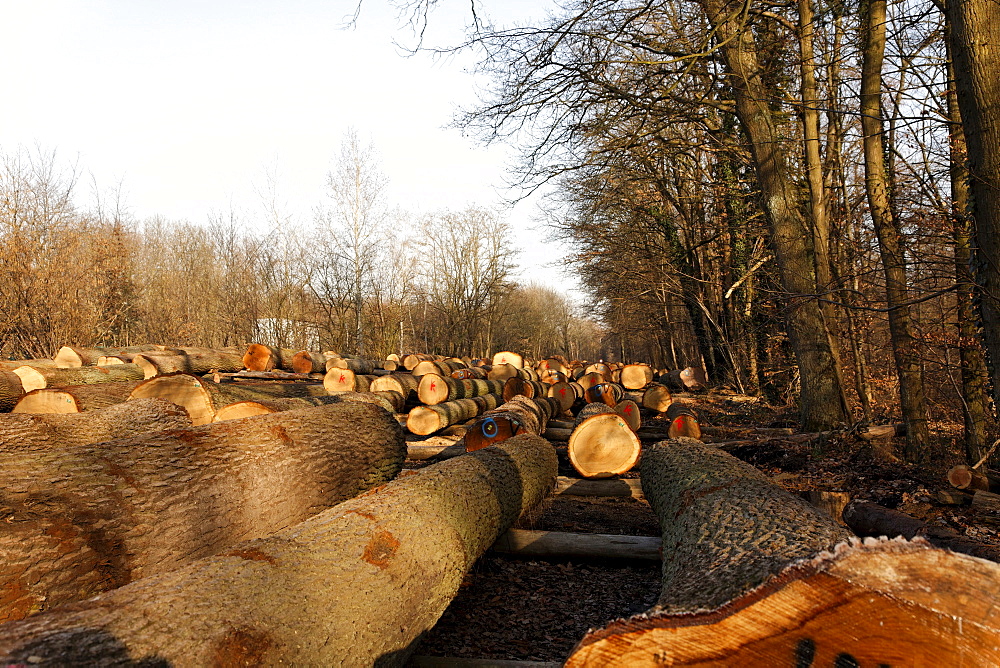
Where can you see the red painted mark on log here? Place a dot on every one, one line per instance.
(433, 386)
(342, 378)
(628, 410)
(380, 549)
(242, 647)
(252, 555)
(562, 391)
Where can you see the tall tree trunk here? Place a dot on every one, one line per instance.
(879, 191)
(820, 399)
(975, 377)
(975, 42)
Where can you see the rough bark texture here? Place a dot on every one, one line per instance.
(36, 379)
(355, 585)
(435, 389)
(519, 415)
(69, 357)
(75, 398)
(202, 398)
(726, 527)
(194, 360)
(89, 518)
(404, 383)
(390, 401)
(424, 420)
(305, 361)
(517, 386)
(19, 432)
(356, 364)
(11, 390)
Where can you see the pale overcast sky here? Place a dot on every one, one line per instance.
(189, 102)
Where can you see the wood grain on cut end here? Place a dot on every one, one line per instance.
(874, 604)
(603, 445)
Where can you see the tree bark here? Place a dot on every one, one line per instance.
(819, 399)
(434, 389)
(112, 513)
(11, 390)
(390, 401)
(975, 42)
(69, 357)
(424, 420)
(404, 383)
(203, 398)
(753, 575)
(355, 585)
(36, 379)
(909, 369)
(76, 398)
(519, 415)
(194, 360)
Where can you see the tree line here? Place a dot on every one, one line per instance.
(347, 280)
(801, 195)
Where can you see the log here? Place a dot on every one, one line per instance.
(966, 477)
(604, 487)
(10, 365)
(591, 409)
(603, 445)
(555, 363)
(683, 421)
(470, 373)
(307, 361)
(358, 365)
(870, 519)
(518, 386)
(636, 376)
(519, 415)
(987, 501)
(459, 662)
(605, 393)
(832, 503)
(69, 357)
(11, 390)
(413, 359)
(20, 433)
(390, 401)
(507, 357)
(260, 357)
(441, 368)
(203, 398)
(345, 380)
(75, 398)
(404, 383)
(564, 545)
(194, 360)
(36, 379)
(629, 411)
(590, 379)
(424, 420)
(354, 585)
(564, 394)
(117, 511)
(435, 389)
(689, 379)
(561, 434)
(601, 369)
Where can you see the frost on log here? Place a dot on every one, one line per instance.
(753, 575)
(80, 519)
(355, 585)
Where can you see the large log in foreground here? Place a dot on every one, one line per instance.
(112, 512)
(753, 575)
(354, 585)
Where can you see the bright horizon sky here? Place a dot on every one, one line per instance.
(188, 104)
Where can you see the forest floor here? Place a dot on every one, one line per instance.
(528, 610)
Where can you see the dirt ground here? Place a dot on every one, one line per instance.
(516, 609)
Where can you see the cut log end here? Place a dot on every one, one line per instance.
(602, 446)
(183, 390)
(47, 401)
(492, 431)
(872, 603)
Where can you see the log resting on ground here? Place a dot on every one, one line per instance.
(36, 379)
(112, 512)
(517, 416)
(345, 380)
(193, 360)
(424, 420)
(390, 401)
(404, 383)
(203, 398)
(75, 398)
(656, 397)
(749, 579)
(357, 584)
(602, 444)
(683, 421)
(436, 389)
(69, 357)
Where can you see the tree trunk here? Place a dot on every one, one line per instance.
(513, 387)
(636, 376)
(975, 375)
(965, 477)
(345, 380)
(975, 41)
(69, 357)
(683, 422)
(36, 379)
(259, 357)
(564, 394)
(404, 383)
(130, 508)
(424, 420)
(470, 373)
(820, 397)
(751, 577)
(517, 416)
(390, 401)
(76, 398)
(435, 389)
(23, 432)
(306, 361)
(355, 364)
(507, 357)
(441, 368)
(628, 410)
(602, 444)
(194, 360)
(605, 393)
(355, 585)
(909, 369)
(657, 398)
(203, 398)
(11, 390)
